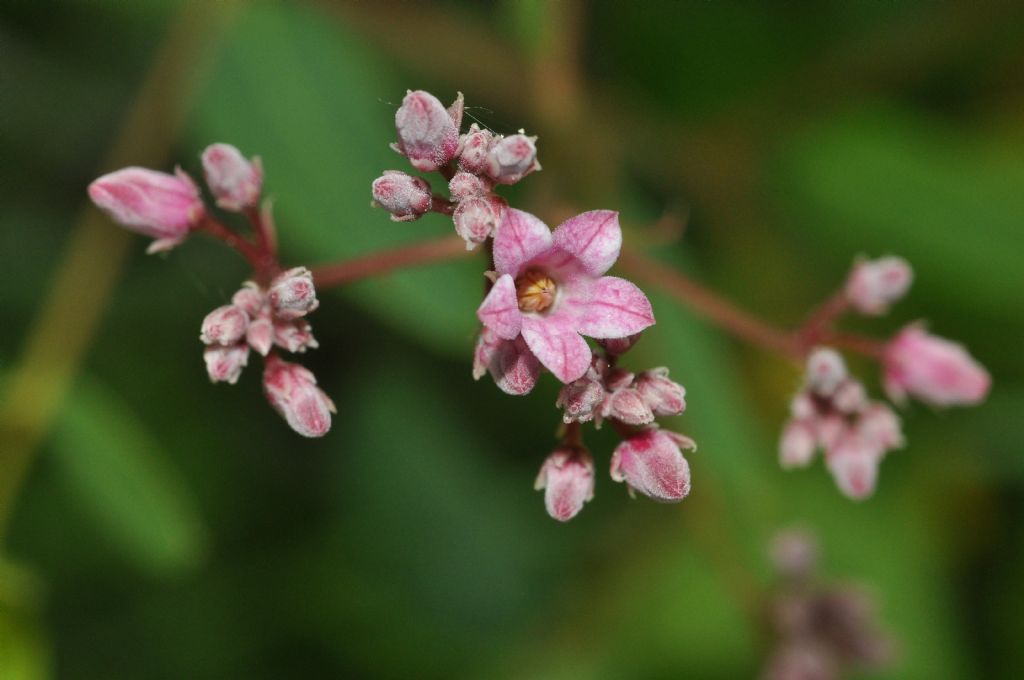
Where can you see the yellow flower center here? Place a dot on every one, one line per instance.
(535, 291)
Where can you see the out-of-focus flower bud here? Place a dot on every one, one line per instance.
(250, 299)
(224, 326)
(873, 285)
(510, 362)
(581, 398)
(933, 369)
(473, 149)
(464, 185)
(295, 335)
(486, 346)
(404, 196)
(427, 135)
(476, 218)
(627, 406)
(797, 444)
(826, 370)
(853, 462)
(794, 554)
(850, 396)
(292, 293)
(880, 424)
(802, 407)
(156, 204)
(291, 389)
(665, 397)
(567, 478)
(619, 346)
(802, 660)
(830, 429)
(260, 335)
(225, 364)
(512, 158)
(235, 181)
(650, 462)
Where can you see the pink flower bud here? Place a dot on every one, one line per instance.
(234, 181)
(404, 196)
(853, 462)
(567, 478)
(476, 218)
(464, 185)
(650, 462)
(292, 391)
(619, 346)
(873, 285)
(225, 364)
(797, 444)
(933, 369)
(665, 397)
(826, 370)
(510, 362)
(295, 335)
(165, 207)
(512, 158)
(224, 326)
(794, 553)
(292, 293)
(250, 299)
(260, 335)
(802, 407)
(627, 406)
(427, 135)
(830, 429)
(473, 149)
(618, 378)
(850, 396)
(581, 398)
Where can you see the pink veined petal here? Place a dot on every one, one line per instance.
(520, 238)
(594, 238)
(500, 309)
(617, 308)
(558, 347)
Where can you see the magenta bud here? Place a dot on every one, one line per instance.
(250, 298)
(512, 158)
(650, 462)
(292, 294)
(873, 285)
(260, 335)
(225, 364)
(235, 182)
(619, 346)
(404, 196)
(291, 389)
(567, 478)
(797, 444)
(581, 398)
(853, 462)
(627, 406)
(224, 326)
(464, 185)
(933, 369)
(826, 370)
(474, 147)
(665, 397)
(618, 378)
(156, 204)
(427, 135)
(476, 218)
(295, 335)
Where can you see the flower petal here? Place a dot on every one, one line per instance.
(558, 346)
(594, 238)
(617, 308)
(500, 309)
(520, 238)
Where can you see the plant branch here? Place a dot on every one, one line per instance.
(382, 262)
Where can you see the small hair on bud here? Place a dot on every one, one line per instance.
(665, 397)
(292, 294)
(476, 219)
(873, 285)
(474, 147)
(512, 158)
(404, 196)
(567, 478)
(650, 462)
(581, 398)
(465, 185)
(291, 389)
(225, 364)
(235, 182)
(225, 325)
(427, 134)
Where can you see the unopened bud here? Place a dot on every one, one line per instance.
(850, 396)
(826, 370)
(619, 346)
(618, 378)
(802, 407)
(830, 429)
(250, 298)
(295, 335)
(464, 185)
(427, 135)
(224, 326)
(235, 182)
(476, 218)
(291, 389)
(933, 369)
(404, 196)
(292, 294)
(627, 406)
(567, 478)
(225, 364)
(880, 424)
(581, 398)
(873, 285)
(853, 462)
(650, 462)
(665, 397)
(156, 204)
(512, 158)
(260, 335)
(473, 149)
(797, 444)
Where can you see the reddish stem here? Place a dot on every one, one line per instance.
(818, 322)
(440, 204)
(374, 264)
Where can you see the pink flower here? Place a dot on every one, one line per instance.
(225, 325)
(514, 368)
(404, 196)
(933, 369)
(292, 391)
(235, 181)
(873, 285)
(551, 289)
(567, 478)
(650, 462)
(428, 135)
(165, 207)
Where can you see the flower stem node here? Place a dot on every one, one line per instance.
(292, 294)
(291, 389)
(567, 479)
(428, 134)
(235, 182)
(650, 461)
(406, 197)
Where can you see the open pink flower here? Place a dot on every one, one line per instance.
(551, 288)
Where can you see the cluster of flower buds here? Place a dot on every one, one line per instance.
(822, 632)
(472, 164)
(832, 412)
(607, 391)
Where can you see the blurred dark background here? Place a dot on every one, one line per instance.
(170, 528)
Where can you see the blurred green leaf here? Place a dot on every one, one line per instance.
(23, 653)
(126, 482)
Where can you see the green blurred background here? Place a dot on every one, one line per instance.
(170, 528)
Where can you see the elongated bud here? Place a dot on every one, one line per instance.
(665, 397)
(581, 398)
(873, 285)
(224, 326)
(235, 181)
(225, 364)
(650, 462)
(464, 185)
(853, 462)
(250, 298)
(933, 369)
(567, 478)
(404, 196)
(476, 218)
(797, 444)
(291, 389)
(627, 406)
(156, 204)
(512, 158)
(295, 335)
(292, 294)
(260, 335)
(474, 147)
(427, 134)
(826, 370)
